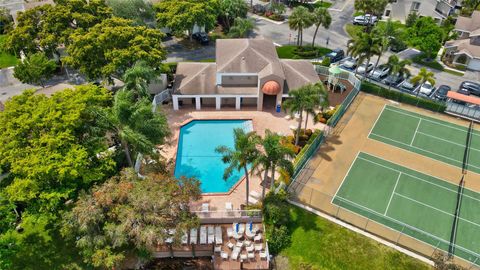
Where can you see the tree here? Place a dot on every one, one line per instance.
(385, 32)
(232, 9)
(298, 99)
(244, 152)
(318, 98)
(373, 7)
(241, 28)
(138, 78)
(127, 214)
(6, 21)
(364, 46)
(139, 11)
(300, 19)
(422, 77)
(426, 35)
(183, 15)
(397, 67)
(35, 69)
(112, 46)
(411, 19)
(50, 147)
(321, 17)
(468, 6)
(134, 125)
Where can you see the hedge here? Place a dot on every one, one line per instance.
(402, 97)
(309, 143)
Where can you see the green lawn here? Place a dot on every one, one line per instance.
(321, 244)
(305, 52)
(323, 4)
(420, 59)
(353, 30)
(6, 59)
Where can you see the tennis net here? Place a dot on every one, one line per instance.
(466, 153)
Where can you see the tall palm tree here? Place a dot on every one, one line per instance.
(296, 103)
(241, 28)
(281, 157)
(385, 32)
(422, 77)
(364, 46)
(137, 79)
(245, 152)
(300, 19)
(318, 99)
(397, 66)
(321, 17)
(136, 127)
(373, 7)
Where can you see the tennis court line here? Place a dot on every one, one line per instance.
(421, 149)
(431, 121)
(376, 120)
(434, 208)
(416, 130)
(416, 177)
(345, 177)
(441, 139)
(393, 192)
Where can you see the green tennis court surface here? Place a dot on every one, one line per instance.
(427, 136)
(413, 203)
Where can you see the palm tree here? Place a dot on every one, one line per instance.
(364, 46)
(273, 154)
(296, 103)
(241, 28)
(422, 77)
(373, 7)
(245, 152)
(300, 19)
(385, 33)
(397, 66)
(137, 79)
(135, 125)
(321, 17)
(318, 98)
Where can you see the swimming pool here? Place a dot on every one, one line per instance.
(196, 156)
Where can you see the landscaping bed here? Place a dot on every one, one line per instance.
(420, 59)
(304, 52)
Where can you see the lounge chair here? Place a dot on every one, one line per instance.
(258, 238)
(241, 229)
(211, 234)
(228, 206)
(251, 255)
(193, 236)
(243, 257)
(247, 243)
(239, 244)
(249, 233)
(258, 247)
(218, 235)
(230, 245)
(235, 253)
(263, 255)
(250, 248)
(255, 194)
(217, 249)
(203, 235)
(229, 232)
(224, 255)
(204, 207)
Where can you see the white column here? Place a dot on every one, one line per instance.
(198, 105)
(218, 103)
(175, 103)
(237, 103)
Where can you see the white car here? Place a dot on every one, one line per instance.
(380, 72)
(349, 63)
(365, 19)
(426, 89)
(363, 67)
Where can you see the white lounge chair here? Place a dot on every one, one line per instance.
(235, 253)
(239, 244)
(241, 229)
(258, 247)
(217, 249)
(249, 233)
(224, 255)
(211, 234)
(193, 236)
(263, 255)
(258, 238)
(250, 248)
(230, 245)
(251, 255)
(243, 257)
(203, 235)
(228, 206)
(205, 207)
(229, 232)
(218, 235)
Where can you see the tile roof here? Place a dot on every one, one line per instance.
(468, 24)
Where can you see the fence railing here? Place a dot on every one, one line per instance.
(394, 231)
(229, 214)
(472, 112)
(160, 98)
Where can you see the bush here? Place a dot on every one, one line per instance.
(277, 17)
(326, 62)
(402, 97)
(278, 239)
(420, 59)
(275, 208)
(296, 52)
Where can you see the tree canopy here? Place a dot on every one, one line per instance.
(127, 214)
(426, 35)
(112, 46)
(139, 11)
(35, 69)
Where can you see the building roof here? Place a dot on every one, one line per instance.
(464, 46)
(464, 98)
(298, 73)
(194, 78)
(468, 24)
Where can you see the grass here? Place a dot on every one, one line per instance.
(420, 59)
(323, 4)
(320, 244)
(6, 59)
(353, 30)
(305, 52)
(453, 72)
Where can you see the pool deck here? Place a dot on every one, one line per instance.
(262, 120)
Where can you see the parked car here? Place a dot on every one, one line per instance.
(426, 89)
(472, 87)
(393, 80)
(363, 68)
(349, 63)
(380, 72)
(335, 55)
(258, 9)
(441, 93)
(201, 37)
(408, 86)
(365, 20)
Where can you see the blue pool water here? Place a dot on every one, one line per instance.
(196, 156)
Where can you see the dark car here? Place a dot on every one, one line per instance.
(393, 80)
(472, 87)
(441, 93)
(201, 37)
(335, 55)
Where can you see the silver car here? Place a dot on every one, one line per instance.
(380, 72)
(364, 69)
(349, 63)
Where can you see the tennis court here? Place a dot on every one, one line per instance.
(413, 203)
(431, 137)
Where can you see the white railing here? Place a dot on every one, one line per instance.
(160, 98)
(346, 75)
(232, 214)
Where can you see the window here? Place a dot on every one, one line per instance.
(387, 13)
(415, 6)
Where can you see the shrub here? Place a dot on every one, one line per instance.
(326, 62)
(278, 238)
(402, 97)
(420, 59)
(275, 208)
